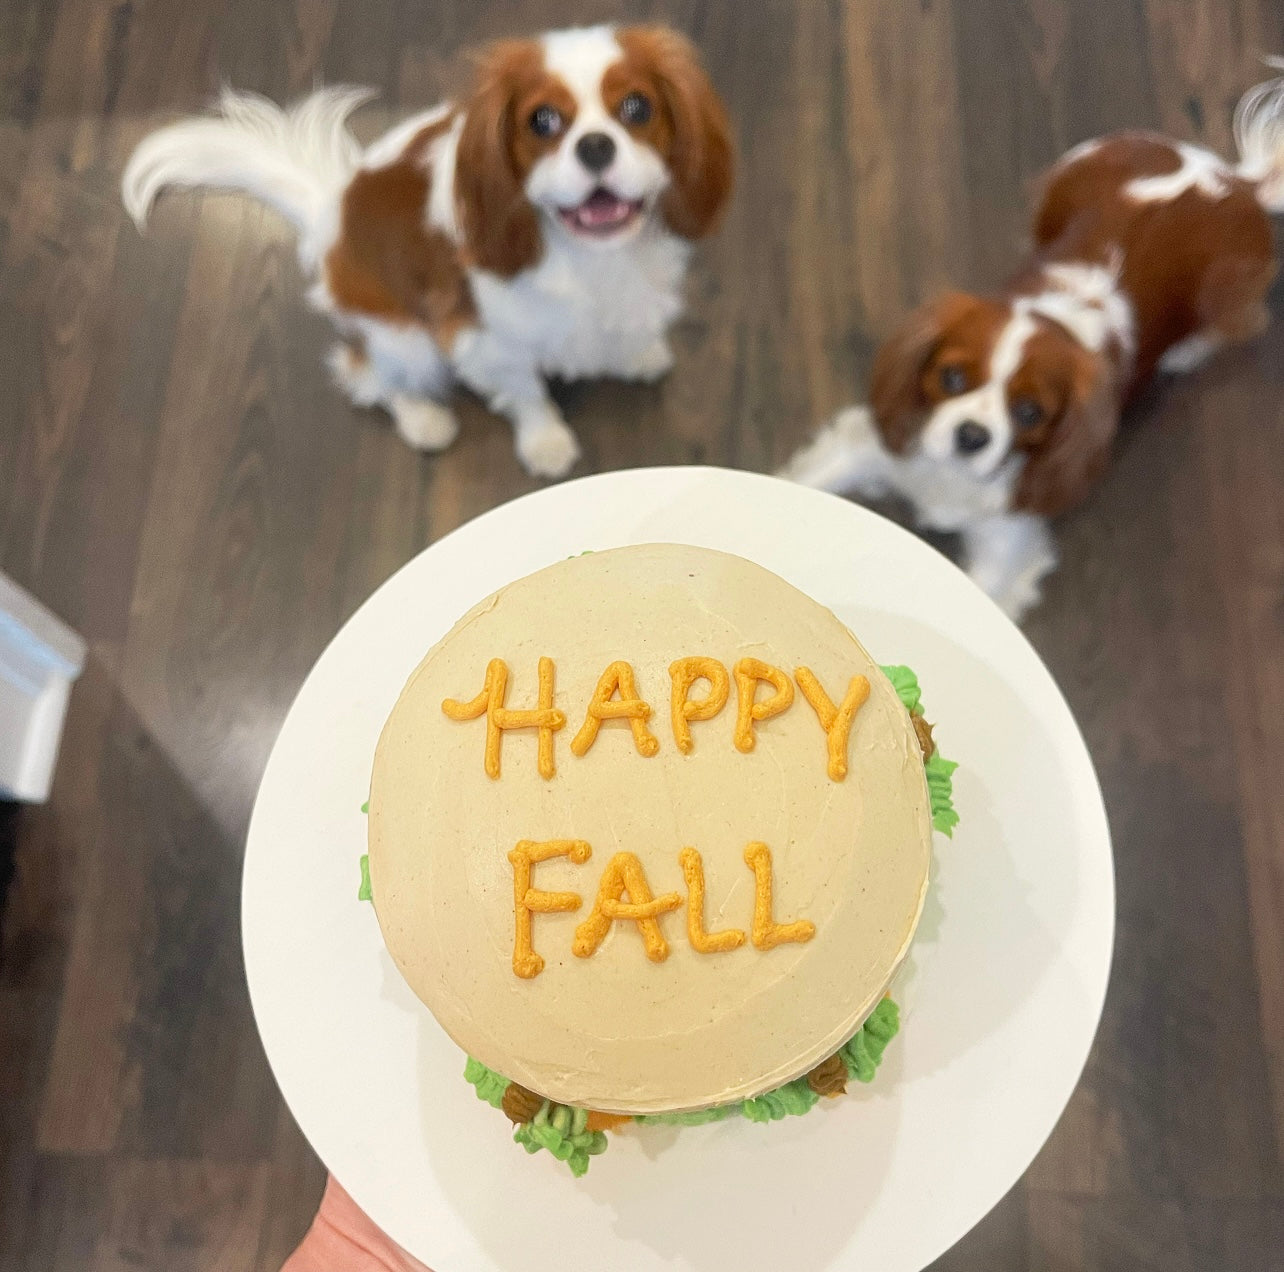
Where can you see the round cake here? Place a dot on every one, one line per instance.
(649, 832)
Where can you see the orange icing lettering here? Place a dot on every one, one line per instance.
(684, 673)
(490, 702)
(749, 671)
(624, 874)
(618, 677)
(767, 933)
(836, 721)
(703, 942)
(529, 901)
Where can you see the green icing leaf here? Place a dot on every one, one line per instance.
(792, 1099)
(490, 1085)
(365, 808)
(863, 1053)
(561, 1131)
(939, 770)
(697, 1117)
(905, 682)
(363, 892)
(940, 788)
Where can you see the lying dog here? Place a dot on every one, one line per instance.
(540, 227)
(992, 414)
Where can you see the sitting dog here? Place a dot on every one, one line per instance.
(991, 414)
(540, 227)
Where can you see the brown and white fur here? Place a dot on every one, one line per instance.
(992, 414)
(541, 227)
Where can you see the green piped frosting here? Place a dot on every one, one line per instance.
(905, 682)
(863, 1052)
(940, 789)
(563, 1132)
(363, 892)
(791, 1100)
(939, 770)
(489, 1084)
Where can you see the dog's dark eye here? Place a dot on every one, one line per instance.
(546, 121)
(953, 381)
(635, 110)
(1027, 413)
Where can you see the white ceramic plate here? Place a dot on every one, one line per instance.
(1000, 997)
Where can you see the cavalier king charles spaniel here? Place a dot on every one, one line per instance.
(992, 414)
(540, 227)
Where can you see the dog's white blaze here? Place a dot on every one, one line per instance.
(1200, 170)
(580, 57)
(1085, 300)
(987, 405)
(1009, 349)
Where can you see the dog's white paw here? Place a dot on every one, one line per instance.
(1016, 597)
(546, 446)
(654, 362)
(1012, 576)
(355, 375)
(422, 423)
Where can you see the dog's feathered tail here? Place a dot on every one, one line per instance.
(1259, 138)
(296, 160)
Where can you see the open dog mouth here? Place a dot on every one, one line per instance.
(602, 214)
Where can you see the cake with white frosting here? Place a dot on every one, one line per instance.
(649, 834)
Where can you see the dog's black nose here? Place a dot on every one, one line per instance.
(595, 151)
(970, 437)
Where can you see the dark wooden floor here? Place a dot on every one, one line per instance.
(178, 481)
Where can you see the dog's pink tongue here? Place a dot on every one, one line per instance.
(601, 208)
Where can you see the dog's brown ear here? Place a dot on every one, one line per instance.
(500, 228)
(1061, 471)
(701, 156)
(896, 382)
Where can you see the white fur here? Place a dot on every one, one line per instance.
(296, 161)
(1006, 553)
(1259, 138)
(588, 307)
(1191, 353)
(1086, 300)
(1199, 170)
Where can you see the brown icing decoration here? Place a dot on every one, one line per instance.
(528, 901)
(520, 1105)
(684, 673)
(624, 874)
(923, 731)
(702, 941)
(836, 721)
(829, 1077)
(490, 702)
(618, 677)
(766, 932)
(749, 671)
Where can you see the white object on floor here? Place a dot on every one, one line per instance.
(40, 657)
(1000, 995)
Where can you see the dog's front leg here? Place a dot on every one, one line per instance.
(515, 389)
(846, 457)
(1008, 556)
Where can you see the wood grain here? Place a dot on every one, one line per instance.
(179, 481)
